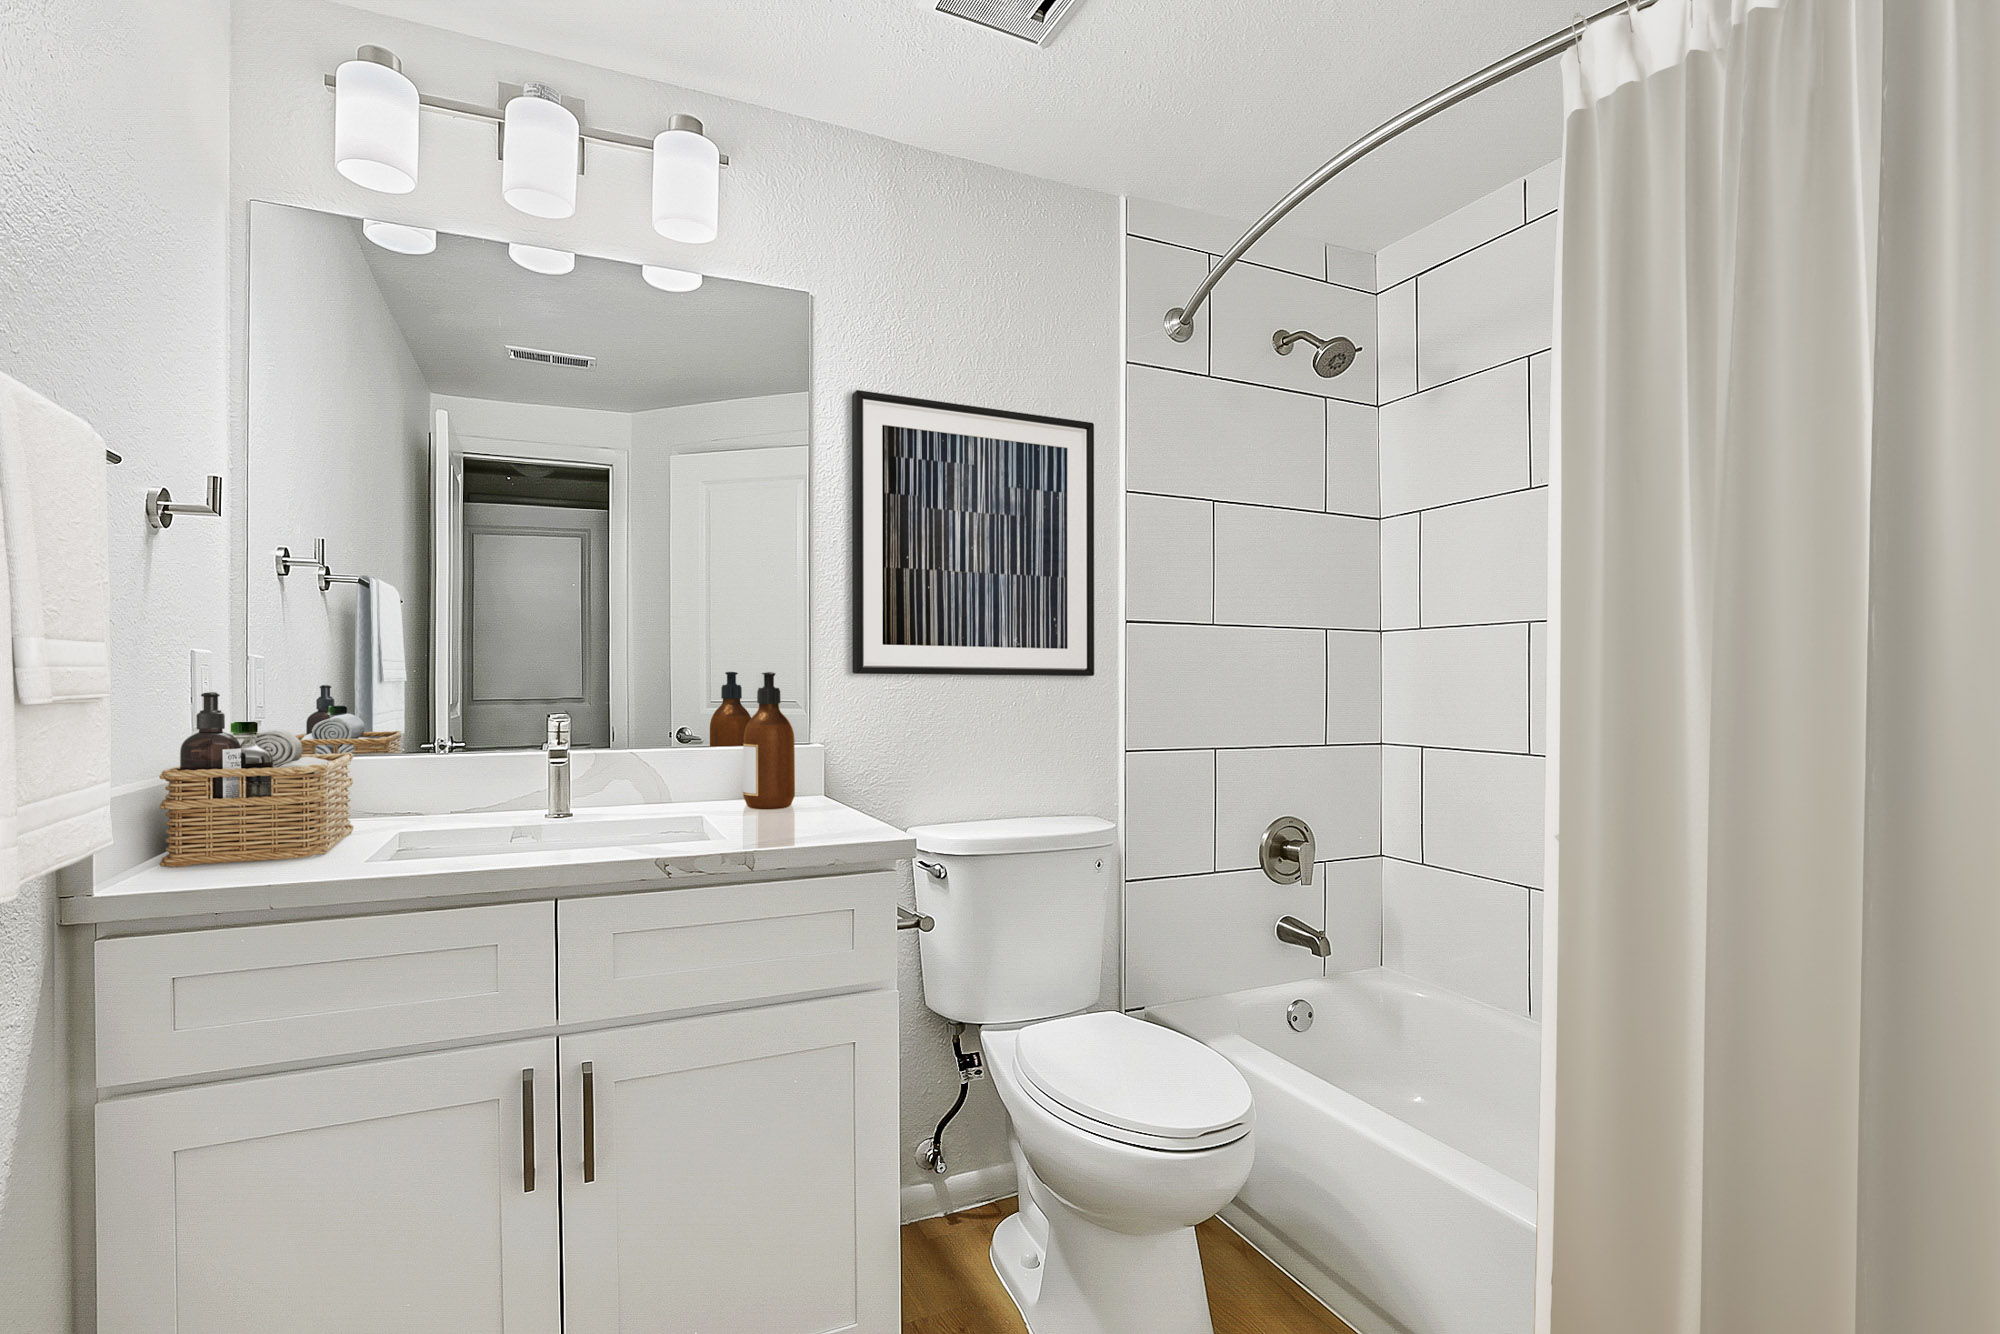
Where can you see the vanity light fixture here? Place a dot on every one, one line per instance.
(540, 153)
(542, 138)
(375, 122)
(400, 237)
(687, 182)
(669, 280)
(541, 259)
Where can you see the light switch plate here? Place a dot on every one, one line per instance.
(201, 679)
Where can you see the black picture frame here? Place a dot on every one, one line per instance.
(871, 654)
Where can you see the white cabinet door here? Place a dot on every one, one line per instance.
(734, 1173)
(392, 1197)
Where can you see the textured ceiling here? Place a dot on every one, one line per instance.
(1220, 106)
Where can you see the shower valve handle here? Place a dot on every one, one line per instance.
(1288, 850)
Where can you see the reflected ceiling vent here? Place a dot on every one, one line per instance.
(1030, 20)
(574, 360)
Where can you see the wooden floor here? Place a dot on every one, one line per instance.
(949, 1286)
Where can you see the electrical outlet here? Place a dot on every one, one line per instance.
(201, 679)
(257, 705)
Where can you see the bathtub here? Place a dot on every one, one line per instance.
(1396, 1148)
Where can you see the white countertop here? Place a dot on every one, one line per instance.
(814, 834)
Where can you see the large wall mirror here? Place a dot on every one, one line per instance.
(568, 492)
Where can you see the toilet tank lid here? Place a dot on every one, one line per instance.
(1040, 833)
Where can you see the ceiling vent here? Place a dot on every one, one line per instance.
(1030, 20)
(574, 360)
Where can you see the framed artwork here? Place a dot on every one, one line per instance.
(972, 540)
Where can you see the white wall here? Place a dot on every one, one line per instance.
(1253, 647)
(113, 282)
(930, 276)
(1466, 319)
(339, 422)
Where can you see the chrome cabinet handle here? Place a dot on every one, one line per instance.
(589, 1122)
(685, 737)
(528, 1131)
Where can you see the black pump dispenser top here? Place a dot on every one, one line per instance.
(326, 699)
(768, 692)
(730, 690)
(209, 719)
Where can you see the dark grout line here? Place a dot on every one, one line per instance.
(1249, 384)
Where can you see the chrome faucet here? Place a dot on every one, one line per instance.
(1306, 936)
(557, 747)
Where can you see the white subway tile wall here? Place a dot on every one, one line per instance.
(1292, 652)
(1253, 602)
(1468, 321)
(1253, 302)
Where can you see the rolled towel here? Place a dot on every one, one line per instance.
(338, 727)
(282, 747)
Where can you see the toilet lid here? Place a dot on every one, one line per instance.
(1162, 1088)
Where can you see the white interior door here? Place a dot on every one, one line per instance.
(741, 580)
(391, 1196)
(447, 611)
(744, 1171)
(537, 624)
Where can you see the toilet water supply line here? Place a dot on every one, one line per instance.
(971, 1066)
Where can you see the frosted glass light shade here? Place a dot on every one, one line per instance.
(539, 165)
(375, 127)
(400, 237)
(687, 186)
(541, 259)
(669, 280)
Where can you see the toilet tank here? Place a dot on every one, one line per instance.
(1019, 908)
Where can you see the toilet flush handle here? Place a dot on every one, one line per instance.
(935, 870)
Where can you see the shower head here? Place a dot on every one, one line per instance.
(1335, 355)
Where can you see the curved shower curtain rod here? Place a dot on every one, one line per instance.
(1180, 320)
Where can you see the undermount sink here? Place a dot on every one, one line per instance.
(541, 834)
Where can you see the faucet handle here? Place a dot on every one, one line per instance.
(558, 737)
(1288, 850)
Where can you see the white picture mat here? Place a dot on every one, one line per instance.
(875, 415)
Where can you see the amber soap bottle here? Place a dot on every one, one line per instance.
(725, 728)
(212, 748)
(767, 752)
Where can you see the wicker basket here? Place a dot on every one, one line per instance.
(305, 815)
(368, 743)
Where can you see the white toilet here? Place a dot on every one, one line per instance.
(1126, 1134)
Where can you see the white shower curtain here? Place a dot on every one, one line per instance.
(1773, 1061)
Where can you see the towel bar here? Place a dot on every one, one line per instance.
(161, 508)
(287, 562)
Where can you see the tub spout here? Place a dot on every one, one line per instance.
(1306, 936)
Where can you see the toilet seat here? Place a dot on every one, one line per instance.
(1133, 1082)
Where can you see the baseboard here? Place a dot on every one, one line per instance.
(960, 1190)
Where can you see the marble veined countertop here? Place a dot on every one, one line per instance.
(392, 862)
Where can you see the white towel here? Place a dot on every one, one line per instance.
(379, 666)
(394, 666)
(55, 794)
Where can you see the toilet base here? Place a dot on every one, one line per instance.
(1090, 1280)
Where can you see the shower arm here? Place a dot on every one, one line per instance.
(1180, 320)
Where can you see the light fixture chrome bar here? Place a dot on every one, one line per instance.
(498, 116)
(1180, 320)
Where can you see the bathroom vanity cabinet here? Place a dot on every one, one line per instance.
(634, 1109)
